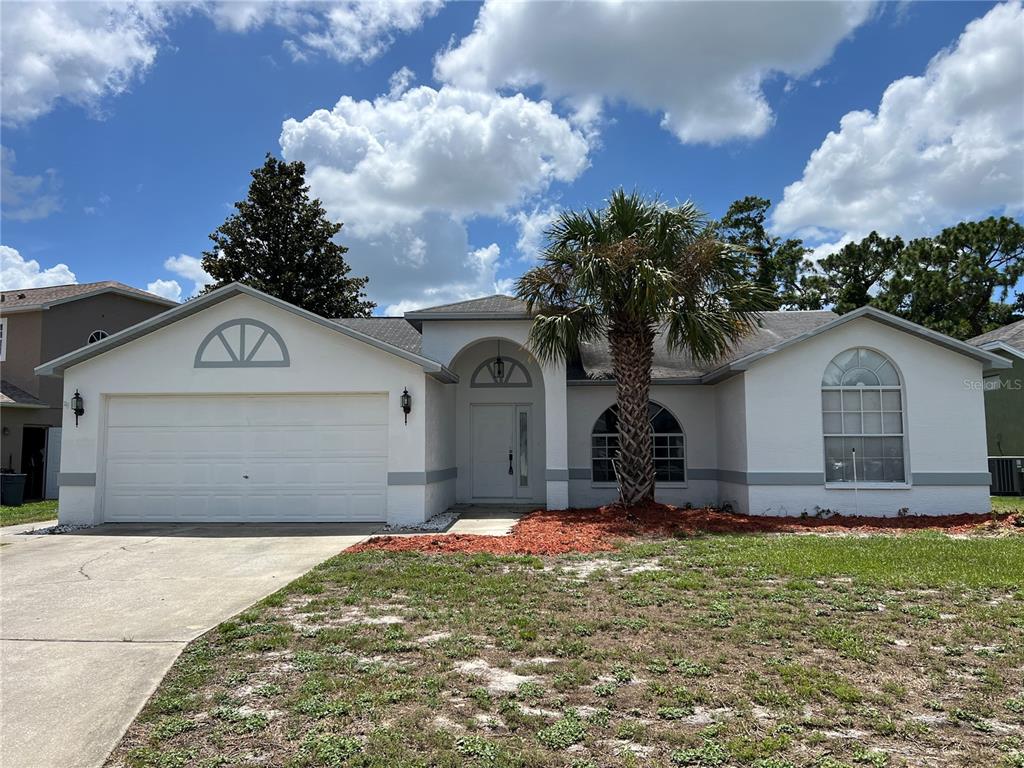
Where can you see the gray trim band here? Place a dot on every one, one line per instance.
(440, 475)
(556, 474)
(423, 478)
(951, 478)
(803, 478)
(83, 479)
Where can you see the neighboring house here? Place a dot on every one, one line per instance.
(1004, 407)
(238, 406)
(38, 324)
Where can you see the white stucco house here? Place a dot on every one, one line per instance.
(236, 406)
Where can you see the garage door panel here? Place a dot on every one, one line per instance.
(262, 458)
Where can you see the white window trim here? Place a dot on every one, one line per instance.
(685, 483)
(850, 485)
(3, 339)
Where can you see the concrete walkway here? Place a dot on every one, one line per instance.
(487, 520)
(91, 621)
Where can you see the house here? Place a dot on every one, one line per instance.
(1004, 407)
(38, 324)
(237, 406)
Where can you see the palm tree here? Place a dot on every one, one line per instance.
(623, 273)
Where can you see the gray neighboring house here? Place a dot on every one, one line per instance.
(1004, 406)
(38, 324)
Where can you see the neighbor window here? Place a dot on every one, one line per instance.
(669, 446)
(98, 335)
(862, 415)
(3, 338)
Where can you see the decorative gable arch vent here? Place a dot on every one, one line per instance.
(243, 343)
(514, 375)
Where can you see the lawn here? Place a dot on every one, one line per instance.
(33, 512)
(769, 651)
(1005, 504)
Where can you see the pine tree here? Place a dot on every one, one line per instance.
(281, 242)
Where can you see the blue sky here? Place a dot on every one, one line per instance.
(119, 163)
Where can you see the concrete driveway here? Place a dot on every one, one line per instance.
(91, 621)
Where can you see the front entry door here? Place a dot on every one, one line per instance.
(501, 460)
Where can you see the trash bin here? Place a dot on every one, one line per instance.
(12, 490)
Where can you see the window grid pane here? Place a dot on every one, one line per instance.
(862, 411)
(668, 448)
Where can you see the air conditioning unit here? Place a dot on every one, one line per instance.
(1007, 474)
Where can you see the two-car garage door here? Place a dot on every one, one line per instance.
(281, 458)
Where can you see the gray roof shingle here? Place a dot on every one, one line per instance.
(395, 331)
(12, 395)
(595, 358)
(498, 304)
(26, 298)
(1012, 334)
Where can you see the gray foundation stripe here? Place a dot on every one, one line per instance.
(76, 478)
(422, 478)
(785, 478)
(579, 473)
(697, 473)
(951, 478)
(440, 475)
(556, 474)
(732, 476)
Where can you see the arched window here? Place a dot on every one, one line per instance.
(97, 335)
(242, 343)
(669, 446)
(862, 416)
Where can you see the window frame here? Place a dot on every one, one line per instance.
(89, 339)
(900, 388)
(3, 339)
(684, 483)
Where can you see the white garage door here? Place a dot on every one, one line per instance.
(281, 458)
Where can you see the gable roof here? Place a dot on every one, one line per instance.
(1009, 338)
(496, 307)
(777, 331)
(774, 328)
(181, 311)
(392, 330)
(30, 299)
(16, 397)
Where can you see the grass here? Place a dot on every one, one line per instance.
(756, 651)
(1007, 504)
(32, 512)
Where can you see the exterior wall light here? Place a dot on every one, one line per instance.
(77, 406)
(406, 400)
(499, 366)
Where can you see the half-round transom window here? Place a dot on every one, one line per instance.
(669, 445)
(97, 335)
(862, 419)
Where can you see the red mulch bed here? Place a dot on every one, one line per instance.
(597, 530)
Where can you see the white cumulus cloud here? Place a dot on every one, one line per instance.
(18, 272)
(80, 52)
(169, 289)
(943, 146)
(407, 170)
(345, 31)
(27, 197)
(189, 268)
(701, 66)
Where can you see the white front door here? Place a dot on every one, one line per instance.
(501, 455)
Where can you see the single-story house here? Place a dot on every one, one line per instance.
(237, 406)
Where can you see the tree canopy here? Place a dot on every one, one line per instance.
(959, 282)
(280, 241)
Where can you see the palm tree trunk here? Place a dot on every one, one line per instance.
(632, 348)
